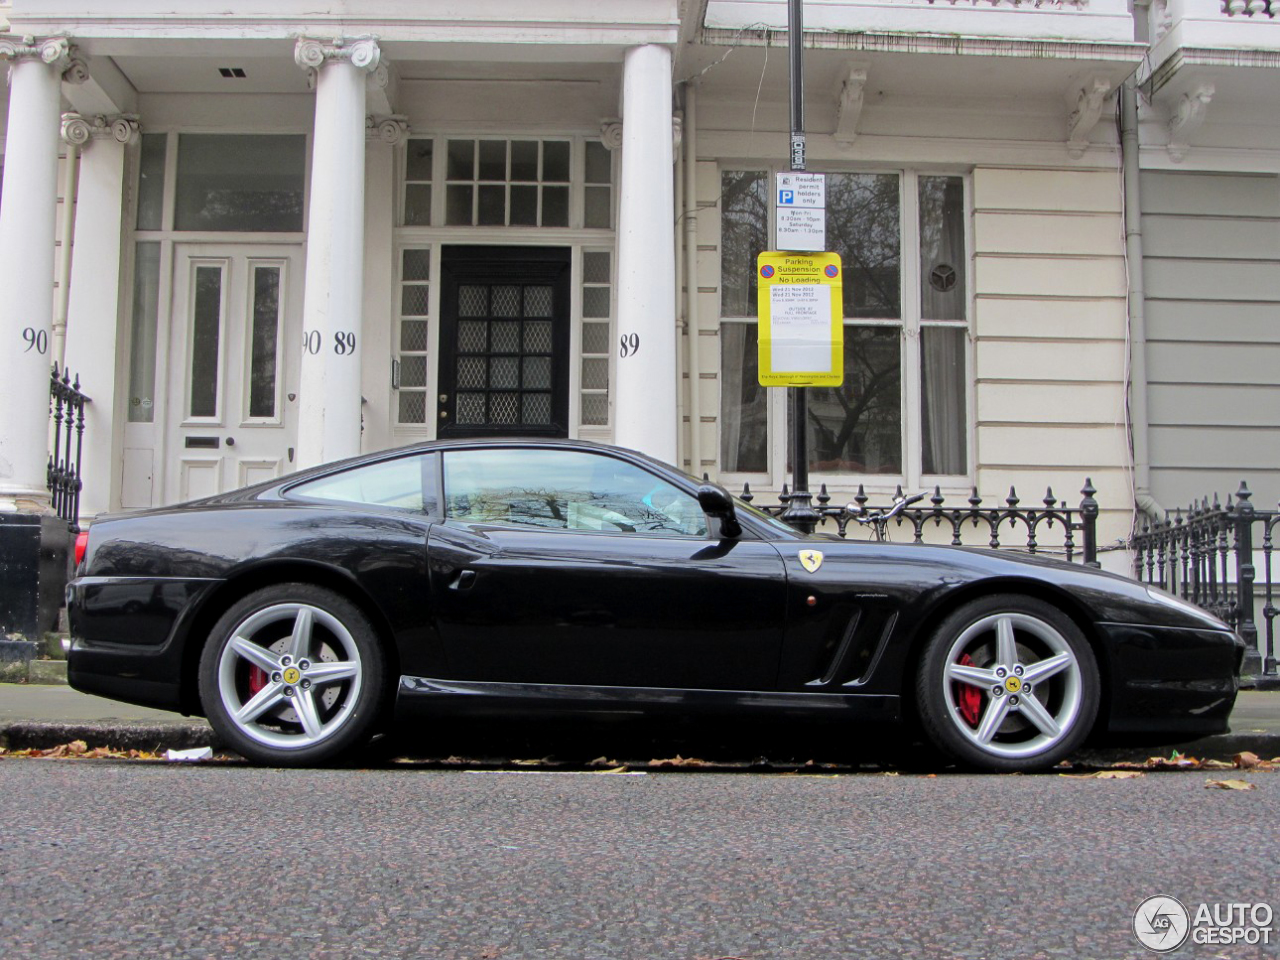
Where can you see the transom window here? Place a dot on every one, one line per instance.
(902, 412)
(248, 183)
(566, 490)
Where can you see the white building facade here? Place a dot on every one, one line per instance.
(268, 240)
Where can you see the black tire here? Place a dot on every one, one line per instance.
(1032, 723)
(320, 681)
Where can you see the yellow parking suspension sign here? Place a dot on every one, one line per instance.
(801, 301)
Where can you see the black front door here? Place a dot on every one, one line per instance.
(504, 342)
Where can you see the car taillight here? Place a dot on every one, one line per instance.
(82, 543)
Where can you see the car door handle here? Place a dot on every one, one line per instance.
(464, 580)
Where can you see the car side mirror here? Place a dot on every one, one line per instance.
(716, 502)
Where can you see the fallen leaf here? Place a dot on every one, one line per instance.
(526, 763)
(603, 762)
(1229, 785)
(678, 761)
(619, 769)
(1105, 775)
(1246, 760)
(1218, 765)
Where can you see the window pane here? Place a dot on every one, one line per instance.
(417, 205)
(597, 202)
(418, 160)
(151, 181)
(142, 336)
(524, 160)
(240, 182)
(744, 233)
(460, 160)
(417, 265)
(206, 331)
(390, 483)
(555, 161)
(595, 267)
(599, 163)
(563, 490)
(744, 435)
(857, 428)
(524, 206)
(943, 398)
(262, 363)
(493, 160)
(457, 205)
(555, 206)
(863, 227)
(942, 255)
(595, 302)
(493, 205)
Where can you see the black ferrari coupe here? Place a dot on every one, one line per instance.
(305, 614)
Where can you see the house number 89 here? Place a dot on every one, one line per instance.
(629, 344)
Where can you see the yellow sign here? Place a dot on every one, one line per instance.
(801, 300)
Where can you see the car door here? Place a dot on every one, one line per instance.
(571, 566)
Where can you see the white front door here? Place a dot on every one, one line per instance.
(232, 379)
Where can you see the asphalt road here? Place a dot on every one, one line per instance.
(103, 858)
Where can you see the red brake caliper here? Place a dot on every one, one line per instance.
(968, 697)
(257, 679)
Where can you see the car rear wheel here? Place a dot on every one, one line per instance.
(292, 675)
(1007, 683)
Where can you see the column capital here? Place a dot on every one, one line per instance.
(390, 129)
(611, 134)
(55, 51)
(312, 54)
(79, 130)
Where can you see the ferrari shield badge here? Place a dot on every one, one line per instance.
(811, 560)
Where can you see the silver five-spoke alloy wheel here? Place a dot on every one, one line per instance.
(293, 674)
(1015, 684)
(1007, 683)
(292, 691)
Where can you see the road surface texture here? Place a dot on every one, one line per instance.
(104, 858)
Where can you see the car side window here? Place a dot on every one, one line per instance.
(566, 490)
(404, 483)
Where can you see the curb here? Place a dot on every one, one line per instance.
(140, 735)
(157, 737)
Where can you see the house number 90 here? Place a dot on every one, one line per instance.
(629, 344)
(37, 340)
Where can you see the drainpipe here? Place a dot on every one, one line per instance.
(65, 236)
(678, 228)
(690, 143)
(1138, 421)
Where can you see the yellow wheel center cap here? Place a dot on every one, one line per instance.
(1013, 684)
(293, 675)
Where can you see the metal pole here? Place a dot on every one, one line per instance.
(799, 512)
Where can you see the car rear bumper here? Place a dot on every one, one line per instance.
(128, 636)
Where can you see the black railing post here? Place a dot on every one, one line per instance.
(1089, 523)
(1245, 575)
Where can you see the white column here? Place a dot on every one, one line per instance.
(647, 371)
(92, 346)
(28, 209)
(384, 134)
(329, 393)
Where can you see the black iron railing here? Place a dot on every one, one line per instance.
(66, 408)
(1075, 528)
(1206, 556)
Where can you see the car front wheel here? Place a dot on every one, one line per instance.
(1007, 683)
(292, 675)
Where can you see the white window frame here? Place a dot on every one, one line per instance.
(912, 477)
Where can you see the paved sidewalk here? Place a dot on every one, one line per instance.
(33, 715)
